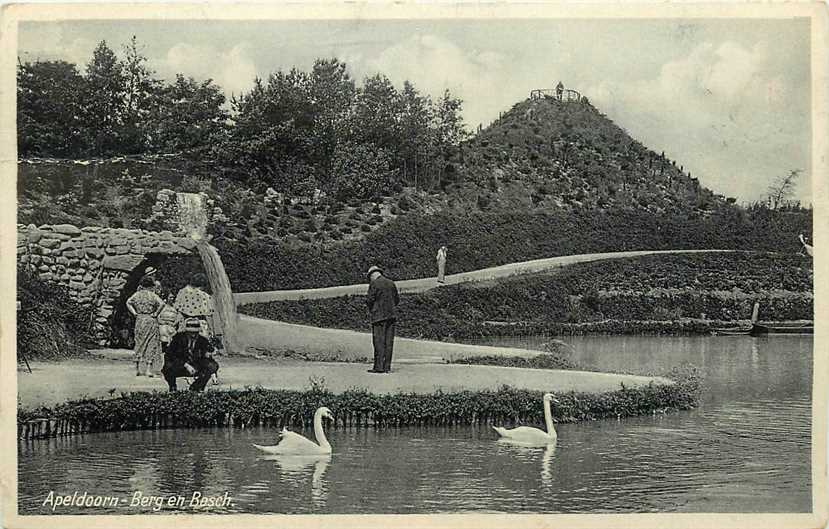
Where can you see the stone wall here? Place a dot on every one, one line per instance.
(93, 262)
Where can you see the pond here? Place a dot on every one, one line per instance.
(745, 449)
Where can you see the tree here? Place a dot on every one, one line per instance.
(187, 114)
(360, 170)
(448, 124)
(49, 107)
(376, 113)
(332, 93)
(104, 100)
(782, 188)
(140, 89)
(416, 135)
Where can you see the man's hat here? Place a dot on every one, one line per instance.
(192, 324)
(149, 270)
(374, 269)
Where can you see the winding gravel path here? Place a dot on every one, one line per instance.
(410, 286)
(97, 377)
(280, 336)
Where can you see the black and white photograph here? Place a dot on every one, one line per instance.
(509, 262)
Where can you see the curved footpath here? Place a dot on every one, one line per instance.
(352, 345)
(410, 286)
(280, 336)
(112, 372)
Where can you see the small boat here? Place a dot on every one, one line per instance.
(782, 327)
(731, 331)
(762, 328)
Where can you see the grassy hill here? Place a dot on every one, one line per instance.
(568, 154)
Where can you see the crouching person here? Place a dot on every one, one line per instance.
(189, 355)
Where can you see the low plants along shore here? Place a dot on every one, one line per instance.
(356, 407)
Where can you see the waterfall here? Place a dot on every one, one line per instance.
(222, 295)
(192, 217)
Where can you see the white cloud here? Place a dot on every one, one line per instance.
(434, 64)
(48, 42)
(722, 110)
(232, 69)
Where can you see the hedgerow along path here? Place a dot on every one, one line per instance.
(280, 336)
(413, 286)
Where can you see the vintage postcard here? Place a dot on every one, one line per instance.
(414, 265)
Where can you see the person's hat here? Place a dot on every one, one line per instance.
(149, 270)
(374, 269)
(192, 324)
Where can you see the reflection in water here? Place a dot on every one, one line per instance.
(296, 468)
(745, 449)
(531, 449)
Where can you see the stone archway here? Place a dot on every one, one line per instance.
(94, 263)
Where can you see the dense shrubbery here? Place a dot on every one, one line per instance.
(49, 324)
(292, 408)
(675, 304)
(570, 296)
(406, 246)
(746, 271)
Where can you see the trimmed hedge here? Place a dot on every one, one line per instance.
(406, 246)
(239, 408)
(544, 303)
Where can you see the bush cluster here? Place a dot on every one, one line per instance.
(50, 324)
(353, 407)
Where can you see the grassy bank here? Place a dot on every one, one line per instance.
(658, 294)
(240, 408)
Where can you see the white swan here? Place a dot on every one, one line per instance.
(808, 247)
(295, 444)
(528, 434)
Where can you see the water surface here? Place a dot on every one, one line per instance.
(745, 449)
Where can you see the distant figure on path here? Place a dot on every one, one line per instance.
(382, 301)
(145, 306)
(168, 322)
(559, 90)
(441, 259)
(193, 302)
(808, 247)
(189, 355)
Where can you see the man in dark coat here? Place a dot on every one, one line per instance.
(189, 355)
(382, 303)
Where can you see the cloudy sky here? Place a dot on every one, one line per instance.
(728, 99)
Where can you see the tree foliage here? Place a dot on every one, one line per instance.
(115, 107)
(296, 131)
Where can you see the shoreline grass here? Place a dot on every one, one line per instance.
(352, 408)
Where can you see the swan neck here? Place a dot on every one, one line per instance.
(319, 432)
(548, 418)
